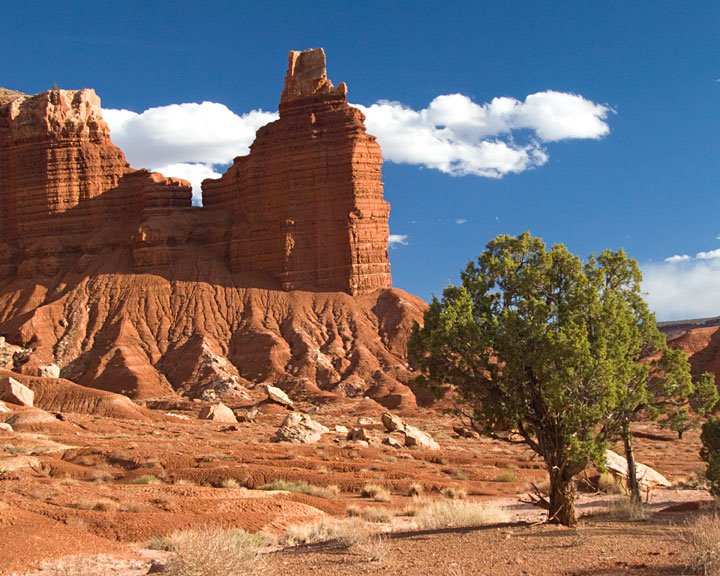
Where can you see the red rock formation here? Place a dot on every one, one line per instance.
(702, 345)
(65, 185)
(112, 275)
(308, 202)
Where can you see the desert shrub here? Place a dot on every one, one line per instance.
(415, 489)
(133, 507)
(147, 479)
(703, 541)
(454, 513)
(230, 483)
(322, 531)
(627, 509)
(376, 492)
(710, 453)
(376, 515)
(609, 484)
(454, 493)
(459, 475)
(506, 476)
(303, 488)
(104, 505)
(214, 552)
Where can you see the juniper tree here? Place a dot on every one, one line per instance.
(537, 341)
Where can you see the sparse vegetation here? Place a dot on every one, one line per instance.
(376, 492)
(303, 488)
(626, 509)
(454, 493)
(352, 535)
(147, 479)
(506, 476)
(454, 513)
(214, 552)
(415, 489)
(230, 483)
(703, 541)
(376, 515)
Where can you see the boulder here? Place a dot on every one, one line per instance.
(415, 437)
(341, 429)
(299, 429)
(392, 423)
(278, 396)
(390, 441)
(15, 393)
(647, 477)
(464, 432)
(217, 412)
(246, 414)
(6, 427)
(49, 371)
(4, 409)
(357, 434)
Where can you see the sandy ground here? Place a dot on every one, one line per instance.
(80, 493)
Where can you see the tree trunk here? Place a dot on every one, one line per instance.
(633, 484)
(562, 497)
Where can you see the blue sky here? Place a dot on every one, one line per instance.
(650, 185)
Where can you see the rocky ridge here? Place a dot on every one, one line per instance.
(282, 276)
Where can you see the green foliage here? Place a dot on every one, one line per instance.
(710, 453)
(537, 341)
(680, 402)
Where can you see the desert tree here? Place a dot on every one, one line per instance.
(536, 341)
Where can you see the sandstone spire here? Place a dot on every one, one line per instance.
(307, 202)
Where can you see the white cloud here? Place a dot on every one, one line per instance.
(461, 221)
(458, 136)
(185, 140)
(684, 287)
(395, 240)
(194, 173)
(453, 134)
(708, 255)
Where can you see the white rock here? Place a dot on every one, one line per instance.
(299, 429)
(50, 371)
(392, 423)
(217, 412)
(647, 477)
(15, 393)
(277, 395)
(415, 437)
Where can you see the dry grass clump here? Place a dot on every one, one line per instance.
(609, 484)
(213, 552)
(415, 489)
(703, 541)
(303, 488)
(99, 505)
(376, 492)
(371, 514)
(625, 509)
(133, 507)
(506, 476)
(230, 483)
(147, 479)
(351, 535)
(454, 493)
(455, 513)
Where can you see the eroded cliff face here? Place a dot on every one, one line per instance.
(282, 276)
(307, 203)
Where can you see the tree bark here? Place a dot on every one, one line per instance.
(562, 497)
(633, 484)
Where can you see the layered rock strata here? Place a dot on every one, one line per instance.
(282, 277)
(307, 203)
